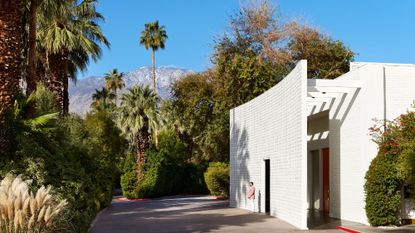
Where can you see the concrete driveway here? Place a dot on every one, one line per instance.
(185, 214)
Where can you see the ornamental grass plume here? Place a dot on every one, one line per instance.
(21, 211)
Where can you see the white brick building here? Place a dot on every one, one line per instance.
(308, 140)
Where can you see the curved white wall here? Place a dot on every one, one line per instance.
(273, 126)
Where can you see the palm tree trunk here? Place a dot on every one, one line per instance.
(65, 95)
(153, 68)
(65, 77)
(56, 81)
(42, 63)
(115, 93)
(11, 46)
(31, 76)
(156, 132)
(31, 79)
(142, 144)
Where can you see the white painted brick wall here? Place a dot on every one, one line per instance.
(351, 148)
(273, 126)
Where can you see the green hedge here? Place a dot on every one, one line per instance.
(383, 194)
(129, 177)
(217, 179)
(392, 171)
(166, 172)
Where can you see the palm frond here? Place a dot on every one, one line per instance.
(40, 121)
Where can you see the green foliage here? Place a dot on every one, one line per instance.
(103, 100)
(77, 157)
(113, 80)
(217, 178)
(166, 171)
(241, 74)
(193, 108)
(45, 100)
(164, 168)
(129, 181)
(326, 58)
(382, 188)
(138, 114)
(78, 32)
(256, 54)
(392, 171)
(153, 36)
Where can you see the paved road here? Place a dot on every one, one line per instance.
(185, 214)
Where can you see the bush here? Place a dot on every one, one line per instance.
(392, 171)
(383, 194)
(129, 177)
(194, 181)
(75, 156)
(217, 179)
(166, 171)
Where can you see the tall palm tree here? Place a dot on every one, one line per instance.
(70, 34)
(11, 46)
(114, 82)
(103, 99)
(153, 37)
(32, 23)
(138, 116)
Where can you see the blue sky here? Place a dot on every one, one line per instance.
(378, 30)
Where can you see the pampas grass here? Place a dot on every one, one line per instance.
(21, 211)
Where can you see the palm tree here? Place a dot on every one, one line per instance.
(32, 77)
(138, 116)
(11, 46)
(153, 37)
(70, 35)
(103, 100)
(114, 82)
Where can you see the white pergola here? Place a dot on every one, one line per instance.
(322, 93)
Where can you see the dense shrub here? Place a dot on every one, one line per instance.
(77, 157)
(392, 171)
(129, 180)
(194, 179)
(166, 171)
(382, 188)
(217, 178)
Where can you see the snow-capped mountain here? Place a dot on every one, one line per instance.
(80, 94)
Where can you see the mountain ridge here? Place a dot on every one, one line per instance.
(80, 94)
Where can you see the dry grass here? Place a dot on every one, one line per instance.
(21, 211)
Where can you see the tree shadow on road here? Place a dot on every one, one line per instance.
(180, 214)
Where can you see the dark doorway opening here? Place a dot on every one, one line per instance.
(326, 181)
(267, 187)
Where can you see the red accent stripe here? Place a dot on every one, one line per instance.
(347, 229)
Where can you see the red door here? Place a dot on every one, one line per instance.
(326, 181)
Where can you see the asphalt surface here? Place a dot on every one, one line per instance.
(184, 214)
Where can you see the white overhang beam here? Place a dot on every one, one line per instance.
(334, 83)
(332, 86)
(321, 93)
